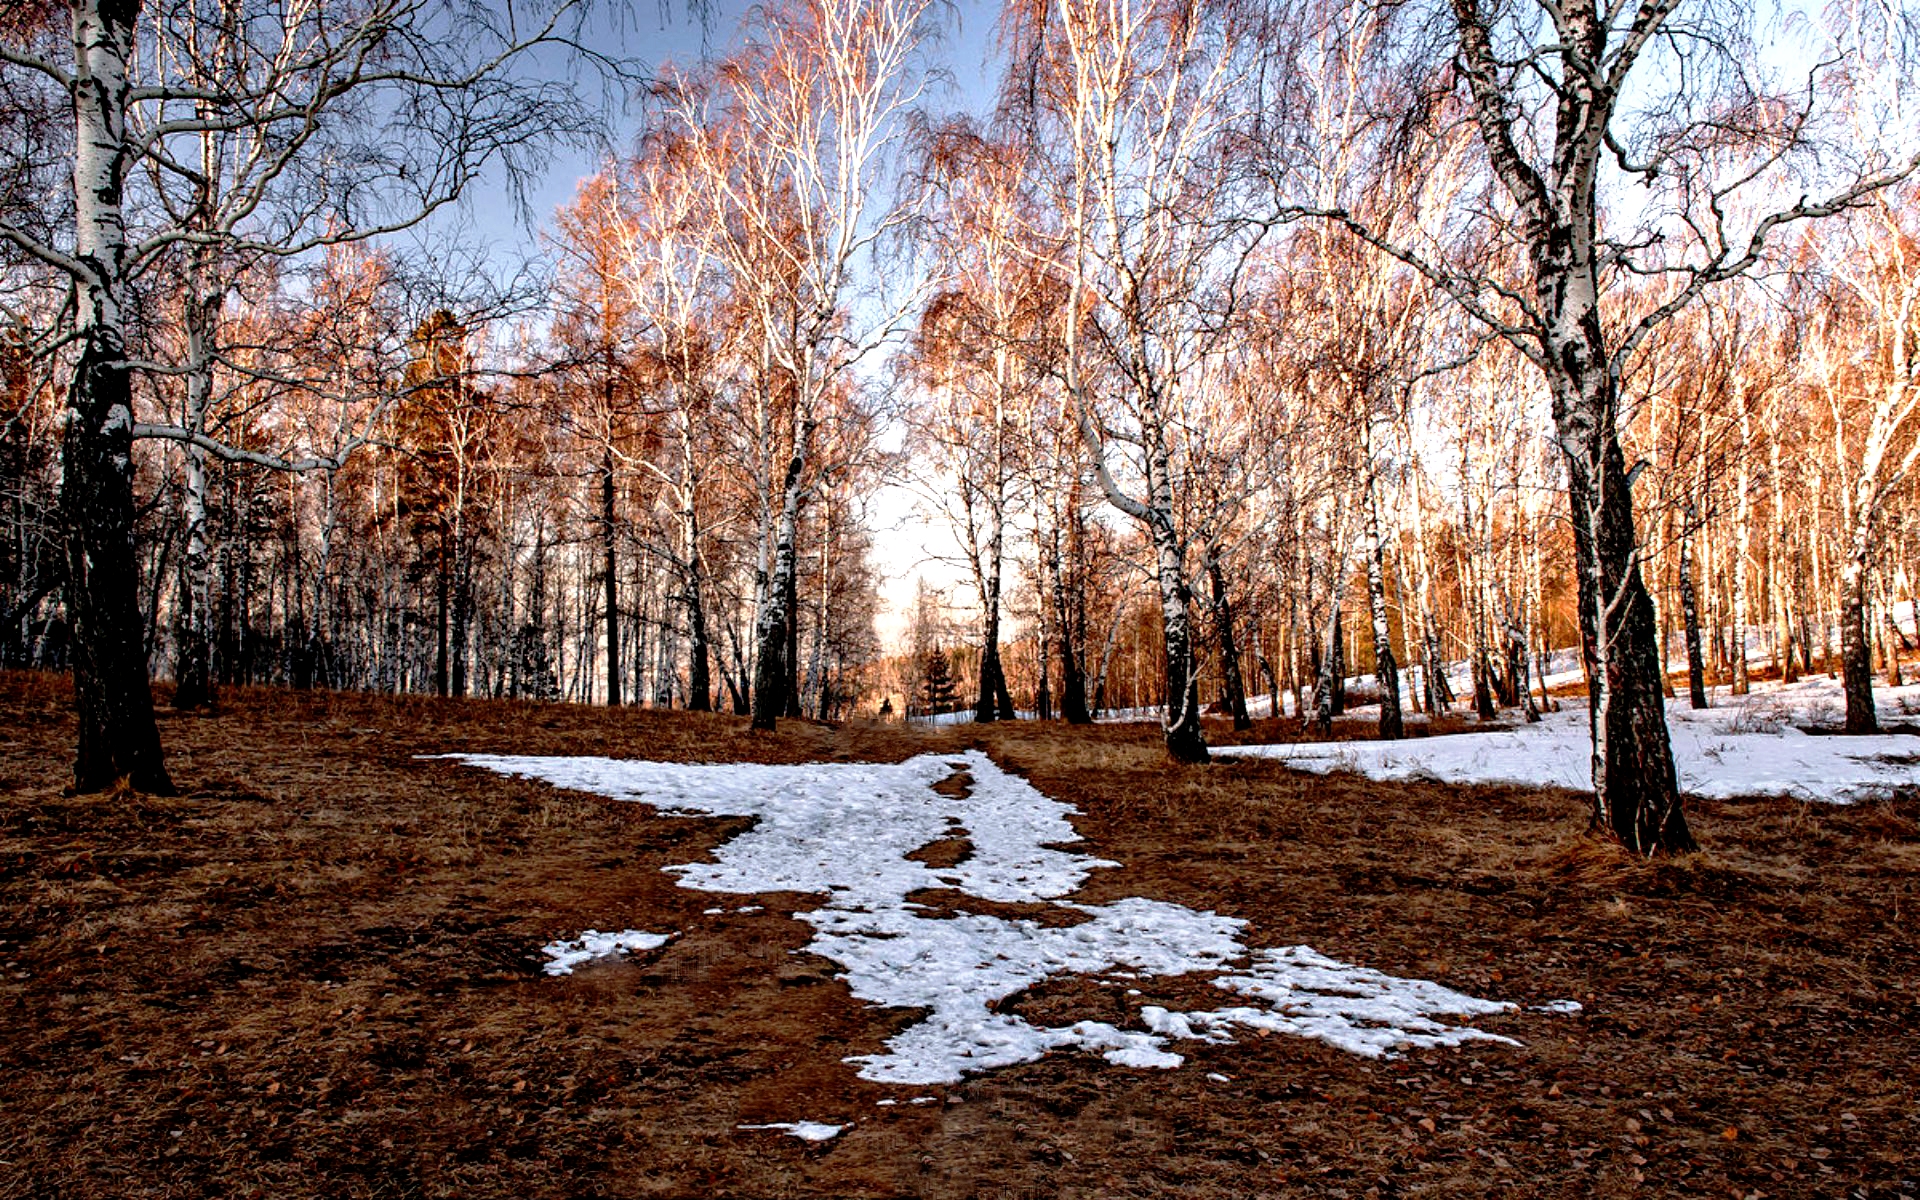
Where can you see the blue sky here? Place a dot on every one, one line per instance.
(654, 34)
(906, 546)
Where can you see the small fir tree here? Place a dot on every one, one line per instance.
(936, 683)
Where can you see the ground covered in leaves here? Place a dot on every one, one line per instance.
(315, 972)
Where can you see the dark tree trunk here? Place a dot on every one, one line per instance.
(1636, 792)
(1232, 683)
(1890, 640)
(1385, 669)
(1690, 616)
(993, 702)
(1043, 692)
(770, 670)
(1337, 664)
(1517, 673)
(1185, 740)
(119, 738)
(1483, 705)
(993, 684)
(1636, 796)
(1856, 657)
(793, 644)
(1069, 611)
(699, 677)
(443, 595)
(609, 567)
(458, 649)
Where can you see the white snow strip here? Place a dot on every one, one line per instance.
(1744, 746)
(1354, 1008)
(844, 831)
(1563, 1007)
(806, 1131)
(592, 944)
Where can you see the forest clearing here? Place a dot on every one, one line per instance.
(319, 971)
(878, 598)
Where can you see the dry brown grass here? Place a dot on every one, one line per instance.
(309, 975)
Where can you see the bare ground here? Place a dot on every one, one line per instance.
(313, 974)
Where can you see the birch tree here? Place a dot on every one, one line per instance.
(675, 281)
(1570, 103)
(1864, 366)
(976, 353)
(1142, 109)
(447, 108)
(792, 137)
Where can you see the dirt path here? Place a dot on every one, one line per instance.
(316, 974)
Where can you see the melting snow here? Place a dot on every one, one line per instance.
(1557, 1006)
(806, 1131)
(1745, 746)
(593, 944)
(845, 831)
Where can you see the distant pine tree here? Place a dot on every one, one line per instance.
(936, 683)
(534, 677)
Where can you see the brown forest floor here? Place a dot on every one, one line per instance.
(311, 974)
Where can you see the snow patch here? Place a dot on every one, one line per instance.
(1564, 1007)
(1356, 1009)
(806, 1131)
(1744, 746)
(844, 832)
(564, 956)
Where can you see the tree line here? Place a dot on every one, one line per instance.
(1298, 339)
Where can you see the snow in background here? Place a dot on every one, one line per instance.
(844, 830)
(1749, 745)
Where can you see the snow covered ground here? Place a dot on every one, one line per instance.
(1743, 746)
(844, 831)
